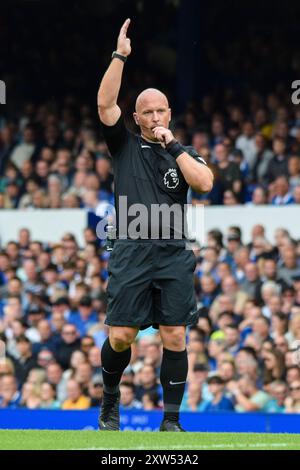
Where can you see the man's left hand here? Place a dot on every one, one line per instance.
(163, 135)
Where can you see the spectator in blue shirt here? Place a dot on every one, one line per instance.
(219, 401)
(278, 391)
(85, 317)
(10, 397)
(282, 196)
(47, 341)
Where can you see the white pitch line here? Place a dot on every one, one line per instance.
(199, 447)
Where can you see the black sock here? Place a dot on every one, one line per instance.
(174, 369)
(113, 365)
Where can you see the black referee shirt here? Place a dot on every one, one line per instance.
(147, 174)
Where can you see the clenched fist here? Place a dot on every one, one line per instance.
(162, 134)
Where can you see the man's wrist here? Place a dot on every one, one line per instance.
(175, 149)
(119, 55)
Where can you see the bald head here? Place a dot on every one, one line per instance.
(151, 110)
(146, 97)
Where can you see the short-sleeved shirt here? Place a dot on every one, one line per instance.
(225, 404)
(260, 399)
(146, 174)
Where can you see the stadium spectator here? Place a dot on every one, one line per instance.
(95, 390)
(151, 401)
(26, 360)
(278, 391)
(70, 343)
(128, 400)
(10, 397)
(247, 396)
(48, 397)
(292, 402)
(75, 398)
(148, 382)
(31, 398)
(281, 194)
(219, 400)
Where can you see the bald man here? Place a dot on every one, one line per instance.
(151, 271)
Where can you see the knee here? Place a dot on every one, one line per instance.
(173, 338)
(120, 339)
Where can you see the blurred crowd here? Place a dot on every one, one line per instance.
(54, 157)
(244, 352)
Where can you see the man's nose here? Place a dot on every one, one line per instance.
(155, 117)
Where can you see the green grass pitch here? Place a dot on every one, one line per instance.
(95, 440)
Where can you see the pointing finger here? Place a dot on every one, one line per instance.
(124, 28)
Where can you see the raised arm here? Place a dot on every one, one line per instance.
(109, 111)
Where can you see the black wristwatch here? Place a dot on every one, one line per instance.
(115, 55)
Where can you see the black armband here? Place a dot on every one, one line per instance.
(175, 149)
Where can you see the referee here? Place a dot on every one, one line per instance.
(151, 277)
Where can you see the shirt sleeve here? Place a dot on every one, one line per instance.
(115, 136)
(193, 153)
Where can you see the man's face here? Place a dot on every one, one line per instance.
(220, 152)
(215, 388)
(226, 371)
(54, 373)
(295, 390)
(44, 329)
(225, 303)
(289, 258)
(244, 362)
(251, 272)
(42, 169)
(281, 186)
(85, 310)
(260, 327)
(152, 110)
(28, 136)
(275, 304)
(278, 147)
(126, 395)
(73, 390)
(147, 375)
(260, 142)
(270, 269)
(208, 285)
(8, 388)
(248, 129)
(15, 305)
(279, 393)
(231, 336)
(229, 285)
(259, 196)
(23, 348)
(293, 375)
(69, 334)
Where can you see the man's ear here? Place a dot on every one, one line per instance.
(136, 119)
(170, 114)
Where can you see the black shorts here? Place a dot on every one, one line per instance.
(151, 283)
